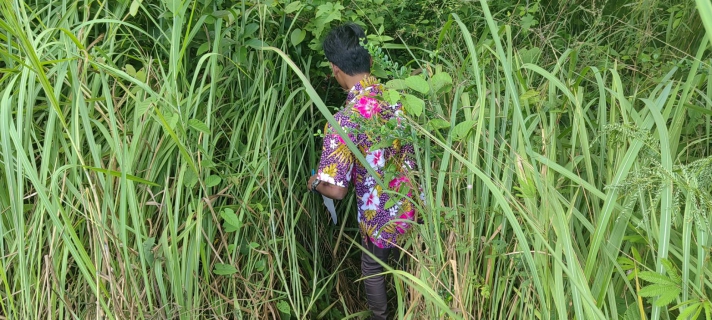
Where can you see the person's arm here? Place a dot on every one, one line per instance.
(335, 166)
(330, 190)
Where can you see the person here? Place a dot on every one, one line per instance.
(381, 223)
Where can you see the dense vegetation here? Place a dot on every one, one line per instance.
(154, 155)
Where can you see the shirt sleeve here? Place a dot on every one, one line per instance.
(337, 161)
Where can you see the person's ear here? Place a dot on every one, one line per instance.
(334, 68)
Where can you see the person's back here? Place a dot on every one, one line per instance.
(364, 112)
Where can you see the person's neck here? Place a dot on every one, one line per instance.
(351, 81)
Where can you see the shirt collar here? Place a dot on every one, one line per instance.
(368, 83)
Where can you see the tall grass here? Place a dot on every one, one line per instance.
(147, 179)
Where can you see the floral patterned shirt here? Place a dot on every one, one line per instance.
(338, 166)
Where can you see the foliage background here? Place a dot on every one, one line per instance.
(153, 156)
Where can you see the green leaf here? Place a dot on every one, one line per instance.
(378, 71)
(315, 44)
(329, 11)
(207, 163)
(118, 175)
(172, 5)
(689, 310)
(378, 39)
(413, 105)
(203, 48)
(441, 81)
(529, 96)
(672, 271)
(172, 119)
(135, 4)
(231, 222)
(436, 124)
(404, 190)
(256, 43)
(417, 83)
(390, 203)
(684, 304)
(221, 14)
(260, 265)
(212, 181)
(654, 290)
(284, 308)
(528, 21)
(198, 125)
(294, 6)
(667, 297)
(190, 179)
(656, 278)
(383, 144)
(141, 75)
(625, 263)
(396, 84)
(249, 30)
(392, 96)
(130, 70)
(298, 36)
(148, 249)
(462, 129)
(530, 55)
(224, 269)
(142, 106)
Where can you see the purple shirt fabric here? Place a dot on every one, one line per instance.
(378, 219)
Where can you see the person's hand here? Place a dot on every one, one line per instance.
(311, 180)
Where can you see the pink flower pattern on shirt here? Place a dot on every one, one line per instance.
(396, 182)
(375, 222)
(367, 107)
(376, 159)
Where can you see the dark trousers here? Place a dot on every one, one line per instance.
(375, 285)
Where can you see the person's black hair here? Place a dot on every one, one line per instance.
(342, 48)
